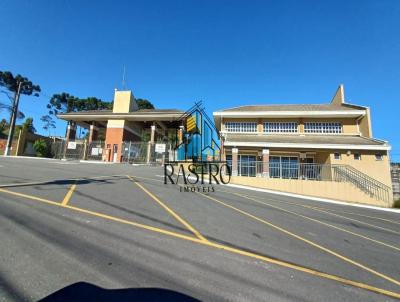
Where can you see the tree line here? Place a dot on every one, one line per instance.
(11, 85)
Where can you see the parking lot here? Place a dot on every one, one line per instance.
(75, 230)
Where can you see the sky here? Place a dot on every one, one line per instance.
(225, 53)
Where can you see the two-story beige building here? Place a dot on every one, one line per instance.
(330, 142)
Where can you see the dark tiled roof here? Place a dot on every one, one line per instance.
(304, 139)
(295, 107)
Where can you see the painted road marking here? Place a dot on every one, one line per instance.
(357, 214)
(29, 196)
(312, 219)
(68, 196)
(319, 221)
(359, 221)
(344, 258)
(217, 246)
(169, 210)
(309, 207)
(320, 210)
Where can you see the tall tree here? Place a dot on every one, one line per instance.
(3, 126)
(11, 83)
(63, 102)
(16, 85)
(144, 104)
(93, 103)
(48, 123)
(8, 106)
(28, 125)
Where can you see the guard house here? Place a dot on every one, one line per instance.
(125, 122)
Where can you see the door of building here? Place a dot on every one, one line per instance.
(308, 170)
(247, 165)
(115, 153)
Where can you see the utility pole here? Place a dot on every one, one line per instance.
(13, 120)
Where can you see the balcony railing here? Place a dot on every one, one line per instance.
(316, 172)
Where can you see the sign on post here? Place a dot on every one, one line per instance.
(71, 145)
(160, 148)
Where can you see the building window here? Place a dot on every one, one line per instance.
(279, 127)
(378, 156)
(322, 127)
(357, 156)
(337, 156)
(283, 167)
(241, 127)
(247, 165)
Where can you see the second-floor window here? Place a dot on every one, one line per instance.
(241, 127)
(322, 127)
(279, 127)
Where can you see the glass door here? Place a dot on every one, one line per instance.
(247, 165)
(274, 166)
(283, 167)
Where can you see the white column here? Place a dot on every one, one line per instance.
(265, 156)
(235, 152)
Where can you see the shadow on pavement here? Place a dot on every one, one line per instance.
(83, 291)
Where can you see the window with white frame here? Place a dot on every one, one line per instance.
(357, 156)
(379, 156)
(241, 127)
(319, 127)
(280, 127)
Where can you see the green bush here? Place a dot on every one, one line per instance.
(396, 203)
(41, 148)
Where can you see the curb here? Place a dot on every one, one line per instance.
(96, 162)
(27, 157)
(326, 200)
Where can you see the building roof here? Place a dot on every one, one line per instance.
(295, 107)
(137, 112)
(306, 141)
(141, 115)
(331, 110)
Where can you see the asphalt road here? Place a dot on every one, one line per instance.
(76, 232)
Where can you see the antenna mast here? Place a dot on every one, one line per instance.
(123, 80)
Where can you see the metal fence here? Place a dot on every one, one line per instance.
(95, 150)
(289, 170)
(74, 150)
(395, 170)
(317, 172)
(145, 152)
(131, 152)
(135, 152)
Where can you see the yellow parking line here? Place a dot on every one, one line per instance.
(217, 246)
(327, 212)
(352, 219)
(319, 221)
(30, 197)
(357, 214)
(313, 208)
(344, 258)
(68, 196)
(170, 211)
